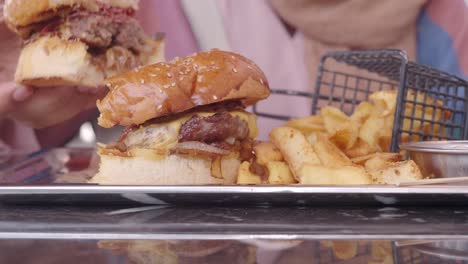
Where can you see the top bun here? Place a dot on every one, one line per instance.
(169, 88)
(20, 14)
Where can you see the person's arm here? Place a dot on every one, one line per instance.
(356, 23)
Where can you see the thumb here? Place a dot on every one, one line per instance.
(10, 93)
(22, 93)
(6, 99)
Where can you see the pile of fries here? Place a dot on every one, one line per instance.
(333, 148)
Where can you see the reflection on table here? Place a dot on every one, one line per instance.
(263, 235)
(231, 251)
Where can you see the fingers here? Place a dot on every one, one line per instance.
(22, 93)
(10, 93)
(6, 89)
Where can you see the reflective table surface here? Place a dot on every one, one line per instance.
(156, 234)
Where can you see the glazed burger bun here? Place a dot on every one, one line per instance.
(174, 87)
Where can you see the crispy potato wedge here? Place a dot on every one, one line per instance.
(346, 136)
(279, 173)
(386, 156)
(342, 130)
(333, 118)
(384, 101)
(362, 112)
(385, 172)
(246, 177)
(361, 148)
(329, 154)
(307, 124)
(370, 131)
(266, 152)
(295, 148)
(333, 148)
(313, 137)
(216, 170)
(320, 175)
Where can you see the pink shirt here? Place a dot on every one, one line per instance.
(253, 30)
(168, 17)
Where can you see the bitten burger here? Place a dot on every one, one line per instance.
(78, 42)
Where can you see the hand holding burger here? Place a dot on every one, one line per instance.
(69, 48)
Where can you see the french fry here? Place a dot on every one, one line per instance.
(266, 152)
(384, 101)
(362, 112)
(312, 138)
(385, 156)
(216, 170)
(335, 149)
(342, 130)
(346, 136)
(307, 124)
(246, 177)
(370, 131)
(279, 173)
(295, 148)
(385, 135)
(320, 175)
(361, 148)
(333, 118)
(383, 171)
(329, 154)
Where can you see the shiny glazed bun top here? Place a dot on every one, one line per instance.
(164, 89)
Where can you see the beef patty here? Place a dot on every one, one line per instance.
(109, 27)
(217, 128)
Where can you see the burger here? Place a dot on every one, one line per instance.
(185, 121)
(78, 42)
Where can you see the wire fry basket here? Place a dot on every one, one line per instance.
(430, 104)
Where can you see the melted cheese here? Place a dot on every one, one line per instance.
(164, 136)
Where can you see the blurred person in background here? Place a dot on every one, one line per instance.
(286, 38)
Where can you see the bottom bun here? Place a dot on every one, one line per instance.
(51, 61)
(167, 170)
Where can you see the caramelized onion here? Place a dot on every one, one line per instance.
(198, 148)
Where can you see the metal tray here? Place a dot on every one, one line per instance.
(39, 179)
(221, 223)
